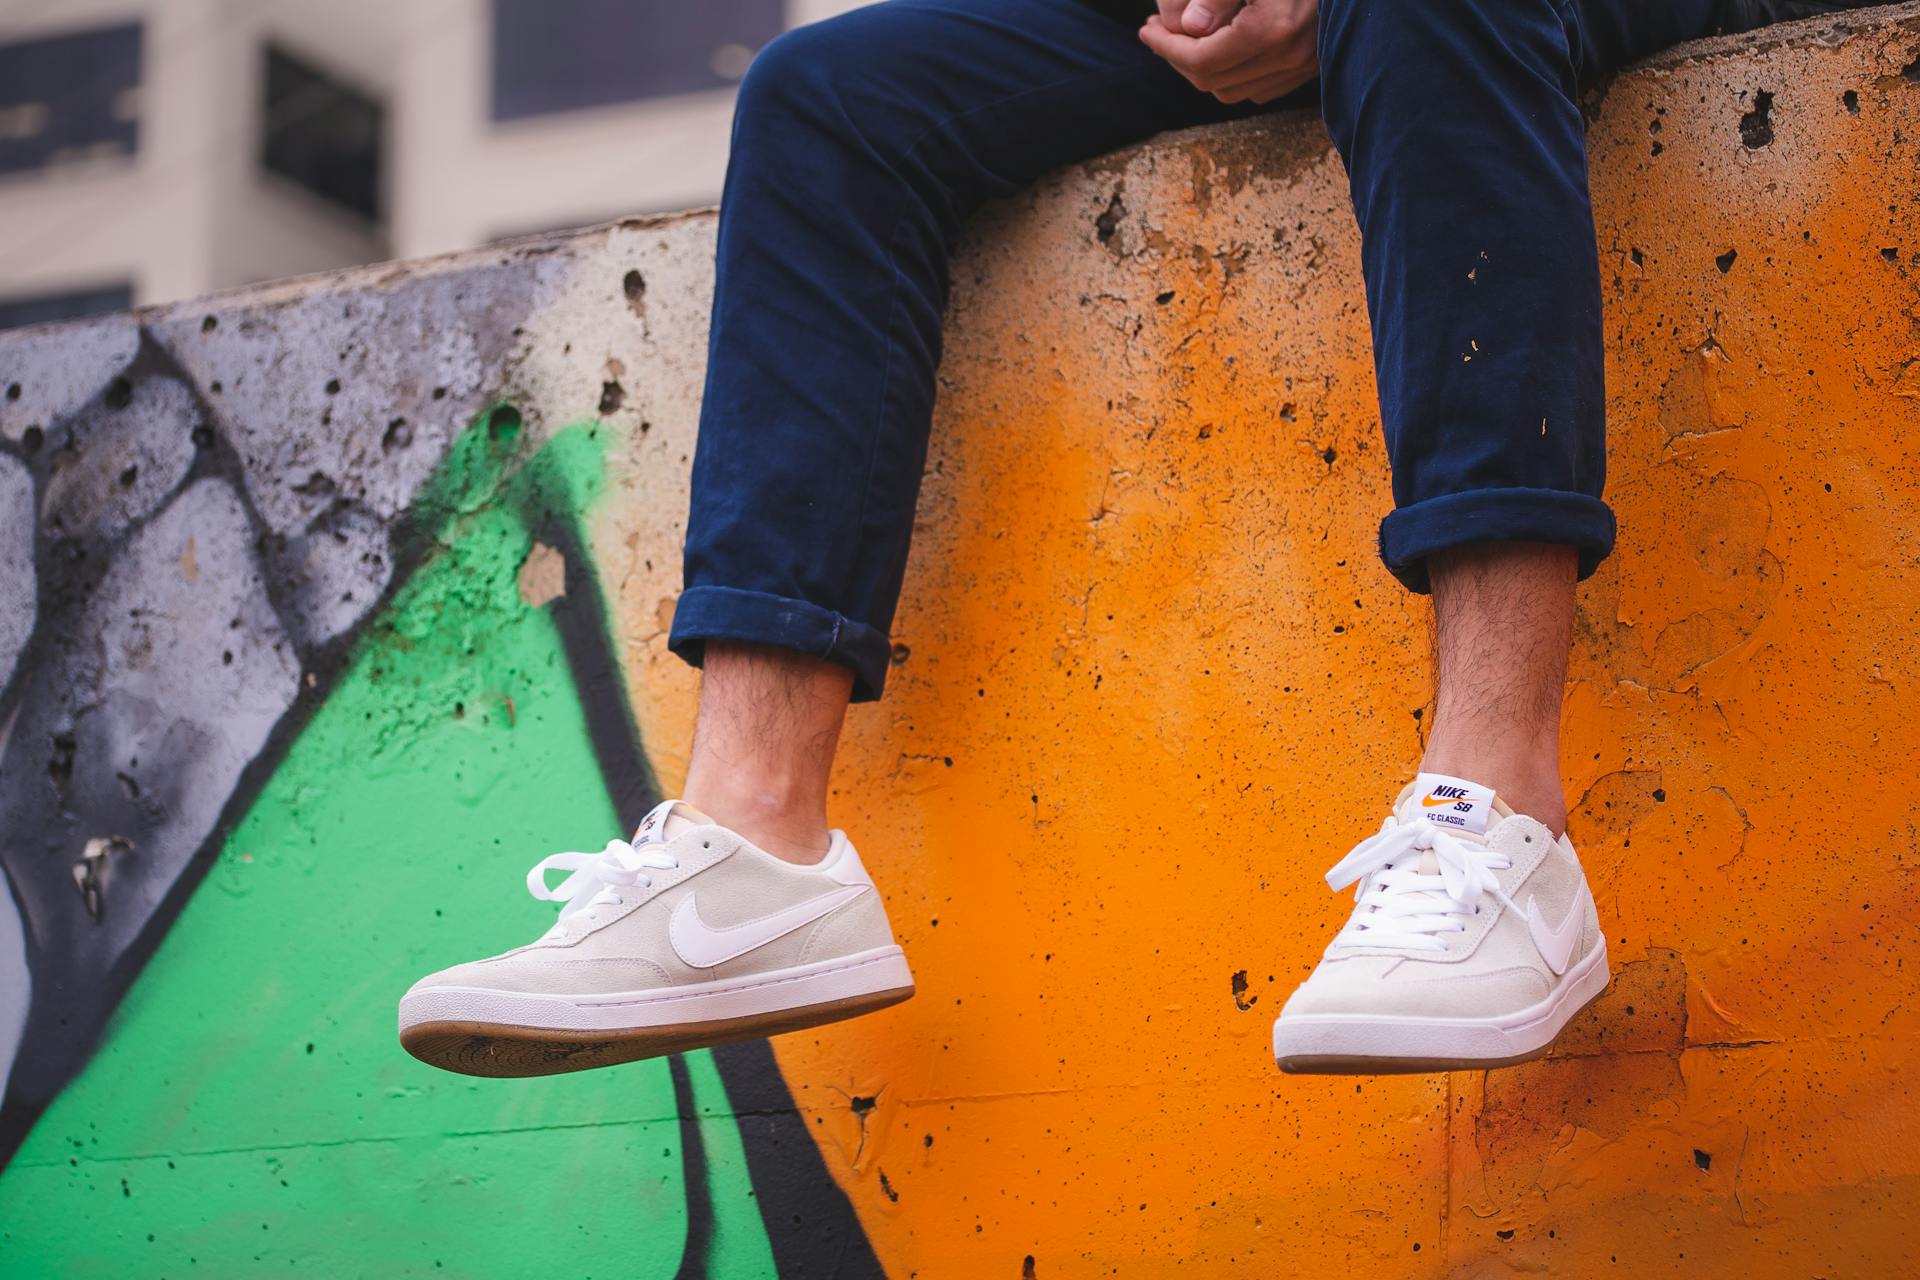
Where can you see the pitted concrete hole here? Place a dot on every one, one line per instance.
(504, 423)
(1109, 220)
(1756, 127)
(1241, 1000)
(90, 874)
(60, 760)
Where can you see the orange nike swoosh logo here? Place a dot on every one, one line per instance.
(1428, 801)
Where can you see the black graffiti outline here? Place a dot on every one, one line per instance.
(795, 1190)
(796, 1193)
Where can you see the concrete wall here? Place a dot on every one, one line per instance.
(329, 607)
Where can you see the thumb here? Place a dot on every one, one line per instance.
(1204, 17)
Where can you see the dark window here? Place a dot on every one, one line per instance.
(15, 312)
(322, 134)
(550, 57)
(69, 97)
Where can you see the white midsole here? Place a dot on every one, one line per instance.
(1509, 1035)
(777, 990)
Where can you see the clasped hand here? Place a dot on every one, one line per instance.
(1238, 50)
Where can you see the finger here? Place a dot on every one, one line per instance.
(1299, 65)
(1204, 17)
(1208, 60)
(1267, 88)
(1212, 60)
(1156, 36)
(1170, 11)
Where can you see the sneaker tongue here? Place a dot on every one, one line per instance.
(667, 820)
(1451, 803)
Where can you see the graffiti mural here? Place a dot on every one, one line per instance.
(327, 608)
(269, 682)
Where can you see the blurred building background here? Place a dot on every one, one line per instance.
(160, 149)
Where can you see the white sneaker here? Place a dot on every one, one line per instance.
(1474, 941)
(687, 936)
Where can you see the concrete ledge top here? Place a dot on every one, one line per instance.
(1893, 29)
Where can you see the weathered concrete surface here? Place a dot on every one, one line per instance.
(1151, 680)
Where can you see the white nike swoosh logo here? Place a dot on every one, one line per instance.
(703, 946)
(1556, 945)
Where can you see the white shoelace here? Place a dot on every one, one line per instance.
(1411, 908)
(597, 877)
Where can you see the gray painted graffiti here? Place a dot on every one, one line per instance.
(195, 515)
(198, 517)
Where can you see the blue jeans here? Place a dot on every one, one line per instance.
(860, 145)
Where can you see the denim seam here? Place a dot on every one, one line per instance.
(1569, 30)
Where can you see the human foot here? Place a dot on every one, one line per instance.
(636, 968)
(1473, 942)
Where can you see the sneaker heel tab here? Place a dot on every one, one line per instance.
(843, 863)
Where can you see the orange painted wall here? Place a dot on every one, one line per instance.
(1151, 681)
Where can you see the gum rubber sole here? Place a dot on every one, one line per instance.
(1314, 1064)
(508, 1052)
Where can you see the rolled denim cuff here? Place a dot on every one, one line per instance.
(754, 617)
(1411, 534)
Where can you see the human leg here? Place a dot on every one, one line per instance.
(1474, 938)
(898, 121)
(1503, 622)
(763, 748)
(859, 147)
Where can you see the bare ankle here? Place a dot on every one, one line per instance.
(1503, 623)
(763, 747)
(792, 833)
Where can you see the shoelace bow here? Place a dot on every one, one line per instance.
(1411, 907)
(597, 877)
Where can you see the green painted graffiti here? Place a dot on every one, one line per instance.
(249, 1111)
